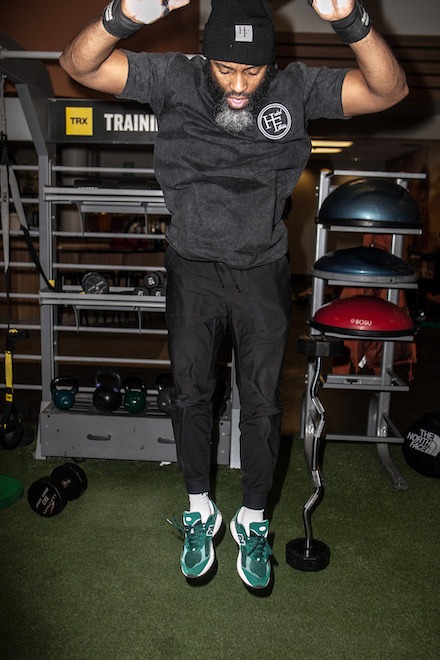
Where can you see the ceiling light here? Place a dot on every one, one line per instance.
(326, 150)
(332, 143)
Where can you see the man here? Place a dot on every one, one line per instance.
(231, 145)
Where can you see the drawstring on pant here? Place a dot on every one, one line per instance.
(234, 280)
(218, 274)
(232, 276)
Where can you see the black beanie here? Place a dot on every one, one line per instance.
(240, 31)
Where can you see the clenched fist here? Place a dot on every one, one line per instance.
(332, 10)
(148, 11)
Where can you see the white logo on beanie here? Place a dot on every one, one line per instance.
(244, 33)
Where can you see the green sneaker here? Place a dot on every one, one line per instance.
(253, 562)
(198, 552)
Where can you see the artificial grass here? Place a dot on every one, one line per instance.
(102, 580)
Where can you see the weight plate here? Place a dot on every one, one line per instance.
(315, 560)
(11, 490)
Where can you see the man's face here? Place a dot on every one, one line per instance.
(237, 90)
(237, 81)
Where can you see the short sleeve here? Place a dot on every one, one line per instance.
(146, 76)
(322, 92)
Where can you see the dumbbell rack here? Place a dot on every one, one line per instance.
(380, 428)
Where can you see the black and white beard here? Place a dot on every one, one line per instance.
(228, 118)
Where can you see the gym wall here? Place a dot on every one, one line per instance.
(49, 25)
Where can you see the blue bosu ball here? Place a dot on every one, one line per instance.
(370, 202)
(363, 263)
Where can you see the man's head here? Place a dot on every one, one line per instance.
(239, 42)
(240, 31)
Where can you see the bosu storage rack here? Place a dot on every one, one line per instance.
(363, 203)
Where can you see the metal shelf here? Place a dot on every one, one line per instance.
(82, 195)
(400, 231)
(366, 382)
(110, 301)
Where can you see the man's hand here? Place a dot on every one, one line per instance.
(149, 11)
(332, 10)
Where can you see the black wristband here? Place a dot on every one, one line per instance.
(117, 23)
(353, 27)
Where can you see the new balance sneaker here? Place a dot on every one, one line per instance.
(198, 552)
(253, 562)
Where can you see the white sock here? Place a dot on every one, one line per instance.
(200, 502)
(246, 516)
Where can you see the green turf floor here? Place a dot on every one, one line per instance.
(102, 581)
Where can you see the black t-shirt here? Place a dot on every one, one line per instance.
(226, 192)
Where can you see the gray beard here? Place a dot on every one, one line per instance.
(231, 120)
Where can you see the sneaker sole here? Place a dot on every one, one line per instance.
(239, 567)
(218, 524)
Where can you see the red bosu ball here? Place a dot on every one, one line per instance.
(366, 316)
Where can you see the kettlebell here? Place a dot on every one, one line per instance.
(64, 391)
(165, 389)
(107, 395)
(135, 397)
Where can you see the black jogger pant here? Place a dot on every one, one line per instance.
(203, 300)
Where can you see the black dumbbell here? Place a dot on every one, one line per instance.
(49, 495)
(158, 291)
(154, 279)
(141, 291)
(94, 282)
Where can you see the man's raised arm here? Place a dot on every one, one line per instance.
(93, 60)
(379, 82)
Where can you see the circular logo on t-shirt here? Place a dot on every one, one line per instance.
(274, 121)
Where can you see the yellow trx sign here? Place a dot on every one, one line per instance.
(79, 121)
